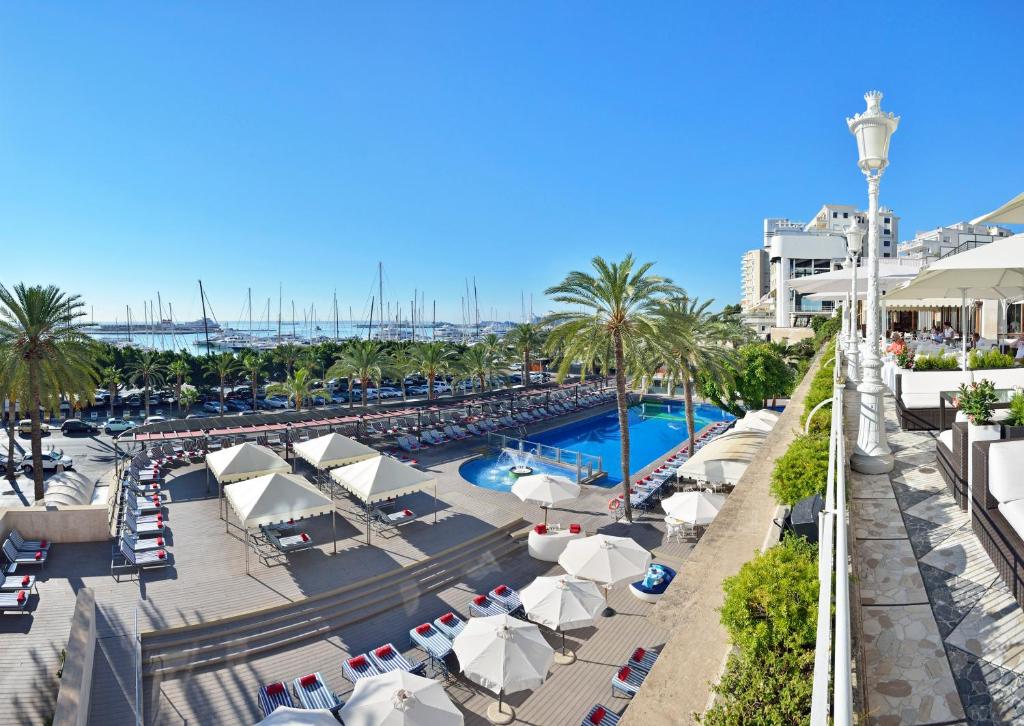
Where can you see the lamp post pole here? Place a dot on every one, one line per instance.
(873, 130)
(853, 352)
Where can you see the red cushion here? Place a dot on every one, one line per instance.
(358, 662)
(39, 555)
(540, 529)
(624, 672)
(598, 715)
(22, 595)
(574, 529)
(638, 654)
(43, 543)
(161, 554)
(273, 689)
(501, 589)
(159, 541)
(159, 517)
(305, 537)
(480, 599)
(25, 580)
(384, 651)
(307, 681)
(421, 629)
(447, 618)
(159, 525)
(407, 512)
(156, 499)
(291, 521)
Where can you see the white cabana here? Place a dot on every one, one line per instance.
(725, 458)
(285, 716)
(545, 490)
(274, 499)
(562, 603)
(398, 698)
(505, 655)
(697, 508)
(327, 452)
(763, 420)
(1010, 213)
(382, 478)
(241, 462)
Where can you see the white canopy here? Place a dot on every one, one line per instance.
(563, 602)
(605, 559)
(890, 274)
(503, 654)
(380, 478)
(545, 490)
(762, 420)
(993, 271)
(725, 458)
(284, 716)
(276, 498)
(1010, 213)
(398, 698)
(244, 461)
(694, 507)
(327, 452)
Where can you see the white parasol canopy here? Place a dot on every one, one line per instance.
(693, 507)
(545, 490)
(563, 602)
(399, 698)
(605, 559)
(285, 716)
(993, 271)
(380, 478)
(503, 654)
(327, 452)
(276, 498)
(725, 458)
(245, 461)
(1010, 213)
(839, 282)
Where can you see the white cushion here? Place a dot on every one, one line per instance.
(946, 439)
(933, 381)
(1003, 377)
(1005, 460)
(920, 400)
(1014, 513)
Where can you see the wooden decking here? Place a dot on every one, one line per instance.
(208, 582)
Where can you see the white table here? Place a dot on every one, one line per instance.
(548, 547)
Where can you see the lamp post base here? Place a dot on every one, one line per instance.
(872, 454)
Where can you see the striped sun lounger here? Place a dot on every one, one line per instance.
(16, 557)
(450, 625)
(13, 583)
(388, 659)
(434, 643)
(147, 560)
(273, 696)
(313, 693)
(482, 606)
(27, 545)
(600, 716)
(507, 598)
(359, 666)
(14, 601)
(627, 681)
(642, 659)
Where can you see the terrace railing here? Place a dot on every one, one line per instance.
(586, 466)
(832, 699)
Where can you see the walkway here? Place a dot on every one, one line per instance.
(939, 633)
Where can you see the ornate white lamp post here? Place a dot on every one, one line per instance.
(854, 243)
(873, 130)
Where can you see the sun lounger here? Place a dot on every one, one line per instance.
(15, 602)
(507, 598)
(153, 559)
(141, 527)
(434, 643)
(627, 681)
(474, 429)
(482, 606)
(143, 504)
(450, 625)
(643, 659)
(386, 520)
(13, 583)
(17, 557)
(288, 542)
(388, 659)
(273, 696)
(408, 443)
(142, 544)
(359, 666)
(600, 716)
(27, 545)
(313, 693)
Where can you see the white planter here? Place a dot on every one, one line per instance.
(989, 432)
(961, 417)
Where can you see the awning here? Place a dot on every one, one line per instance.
(244, 461)
(763, 421)
(725, 458)
(890, 274)
(327, 452)
(380, 478)
(1010, 213)
(994, 271)
(276, 498)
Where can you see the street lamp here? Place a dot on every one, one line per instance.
(854, 244)
(873, 130)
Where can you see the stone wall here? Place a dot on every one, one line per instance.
(70, 523)
(76, 679)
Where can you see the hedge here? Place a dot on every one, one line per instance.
(802, 470)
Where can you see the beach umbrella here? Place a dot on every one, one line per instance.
(605, 559)
(284, 716)
(693, 507)
(562, 603)
(399, 698)
(505, 655)
(545, 490)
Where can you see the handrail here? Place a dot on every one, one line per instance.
(832, 695)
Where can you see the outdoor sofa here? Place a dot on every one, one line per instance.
(998, 508)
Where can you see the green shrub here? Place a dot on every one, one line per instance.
(936, 362)
(825, 329)
(819, 390)
(770, 691)
(989, 359)
(1016, 417)
(802, 470)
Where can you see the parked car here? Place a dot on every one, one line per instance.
(52, 461)
(276, 402)
(214, 407)
(78, 426)
(197, 415)
(117, 425)
(154, 419)
(25, 426)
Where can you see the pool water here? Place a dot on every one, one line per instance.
(654, 428)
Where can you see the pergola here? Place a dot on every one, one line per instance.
(381, 478)
(245, 461)
(333, 450)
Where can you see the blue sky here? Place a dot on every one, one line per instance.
(145, 145)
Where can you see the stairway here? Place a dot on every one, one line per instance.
(245, 636)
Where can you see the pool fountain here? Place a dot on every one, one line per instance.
(519, 463)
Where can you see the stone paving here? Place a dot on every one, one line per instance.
(942, 639)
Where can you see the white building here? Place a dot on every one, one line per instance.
(755, 276)
(937, 243)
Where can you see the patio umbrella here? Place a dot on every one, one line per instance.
(505, 655)
(545, 490)
(838, 282)
(399, 698)
(1010, 213)
(694, 507)
(284, 716)
(562, 603)
(605, 559)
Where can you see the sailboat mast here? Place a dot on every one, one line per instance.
(206, 326)
(369, 328)
(335, 316)
(279, 289)
(380, 296)
(128, 310)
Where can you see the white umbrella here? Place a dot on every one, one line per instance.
(1010, 213)
(838, 282)
(284, 716)
(545, 490)
(504, 655)
(398, 698)
(694, 507)
(562, 603)
(605, 559)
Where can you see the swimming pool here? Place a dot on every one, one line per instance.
(654, 428)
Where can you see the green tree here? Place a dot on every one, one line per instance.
(802, 471)
(44, 349)
(763, 375)
(180, 369)
(432, 359)
(525, 339)
(297, 387)
(287, 354)
(112, 377)
(148, 371)
(363, 358)
(222, 369)
(188, 397)
(615, 307)
(401, 363)
(476, 362)
(253, 364)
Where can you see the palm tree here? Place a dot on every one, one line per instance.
(476, 362)
(298, 386)
(9, 390)
(432, 360)
(253, 363)
(149, 371)
(402, 363)
(180, 369)
(497, 353)
(525, 339)
(112, 378)
(287, 355)
(221, 367)
(45, 351)
(363, 358)
(188, 397)
(616, 305)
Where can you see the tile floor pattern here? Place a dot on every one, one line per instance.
(943, 639)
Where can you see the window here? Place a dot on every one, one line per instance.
(885, 243)
(845, 215)
(886, 231)
(834, 215)
(887, 220)
(885, 254)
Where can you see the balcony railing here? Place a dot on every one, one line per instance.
(832, 699)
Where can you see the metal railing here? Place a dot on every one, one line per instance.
(832, 697)
(586, 466)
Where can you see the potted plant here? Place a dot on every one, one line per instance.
(905, 358)
(976, 401)
(1013, 428)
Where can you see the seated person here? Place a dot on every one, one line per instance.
(979, 343)
(898, 345)
(948, 333)
(936, 335)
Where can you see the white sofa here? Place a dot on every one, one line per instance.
(549, 546)
(917, 392)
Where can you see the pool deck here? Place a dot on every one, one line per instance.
(208, 582)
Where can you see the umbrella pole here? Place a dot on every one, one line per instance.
(545, 516)
(963, 325)
(334, 528)
(245, 543)
(435, 501)
(367, 523)
(608, 609)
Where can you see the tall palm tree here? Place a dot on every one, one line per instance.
(221, 368)
(298, 387)
(180, 369)
(401, 364)
(363, 358)
(44, 349)
(476, 362)
(9, 390)
(525, 339)
(253, 364)
(432, 359)
(188, 398)
(287, 354)
(497, 353)
(112, 378)
(615, 305)
(149, 371)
